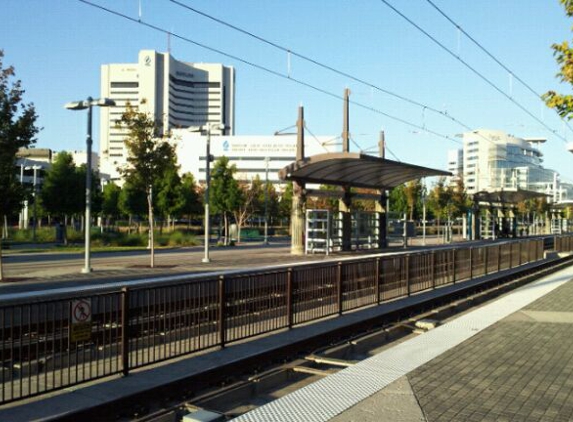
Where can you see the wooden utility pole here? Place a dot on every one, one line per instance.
(297, 218)
(344, 204)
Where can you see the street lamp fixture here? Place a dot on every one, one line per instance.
(208, 128)
(87, 105)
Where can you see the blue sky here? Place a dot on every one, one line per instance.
(57, 48)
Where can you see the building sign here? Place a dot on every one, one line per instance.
(81, 320)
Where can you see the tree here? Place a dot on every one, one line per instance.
(563, 53)
(17, 130)
(110, 202)
(439, 200)
(63, 176)
(149, 159)
(226, 196)
(249, 204)
(169, 198)
(285, 203)
(132, 201)
(190, 201)
(398, 202)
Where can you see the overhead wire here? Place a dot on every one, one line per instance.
(490, 55)
(320, 64)
(471, 68)
(265, 69)
(339, 72)
(278, 74)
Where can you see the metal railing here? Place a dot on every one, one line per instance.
(49, 342)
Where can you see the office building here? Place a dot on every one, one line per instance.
(177, 94)
(253, 156)
(493, 160)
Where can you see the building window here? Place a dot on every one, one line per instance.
(125, 84)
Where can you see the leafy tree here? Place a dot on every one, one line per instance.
(439, 200)
(132, 201)
(413, 193)
(110, 202)
(169, 198)
(63, 177)
(398, 201)
(17, 130)
(249, 204)
(190, 200)
(563, 53)
(460, 200)
(149, 159)
(285, 203)
(225, 193)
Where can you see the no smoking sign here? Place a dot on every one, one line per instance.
(81, 311)
(81, 318)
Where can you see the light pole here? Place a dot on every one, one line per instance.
(207, 128)
(83, 105)
(35, 168)
(267, 159)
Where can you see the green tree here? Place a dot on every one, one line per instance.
(110, 202)
(461, 202)
(285, 203)
(63, 177)
(398, 201)
(169, 198)
(150, 157)
(17, 130)
(226, 195)
(190, 200)
(563, 53)
(132, 201)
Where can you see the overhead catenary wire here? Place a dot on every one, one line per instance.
(289, 52)
(490, 55)
(471, 68)
(265, 69)
(320, 64)
(287, 77)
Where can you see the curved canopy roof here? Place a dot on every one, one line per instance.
(355, 169)
(507, 196)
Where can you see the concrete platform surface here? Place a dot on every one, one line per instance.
(509, 360)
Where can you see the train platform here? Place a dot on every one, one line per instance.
(499, 355)
(509, 360)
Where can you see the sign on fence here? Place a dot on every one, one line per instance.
(81, 320)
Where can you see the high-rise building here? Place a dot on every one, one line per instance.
(177, 94)
(493, 160)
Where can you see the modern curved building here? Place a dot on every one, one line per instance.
(492, 160)
(177, 94)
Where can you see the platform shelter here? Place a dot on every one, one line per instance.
(347, 170)
(494, 214)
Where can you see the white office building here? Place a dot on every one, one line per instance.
(177, 94)
(493, 160)
(253, 156)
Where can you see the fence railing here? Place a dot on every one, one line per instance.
(52, 343)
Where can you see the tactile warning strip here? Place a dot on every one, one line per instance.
(332, 395)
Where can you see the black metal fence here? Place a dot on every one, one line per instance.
(52, 343)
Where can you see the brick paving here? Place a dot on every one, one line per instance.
(519, 369)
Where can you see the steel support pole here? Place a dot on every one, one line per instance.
(206, 258)
(87, 267)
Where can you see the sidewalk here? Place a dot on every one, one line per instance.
(510, 360)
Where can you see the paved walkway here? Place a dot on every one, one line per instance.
(510, 360)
